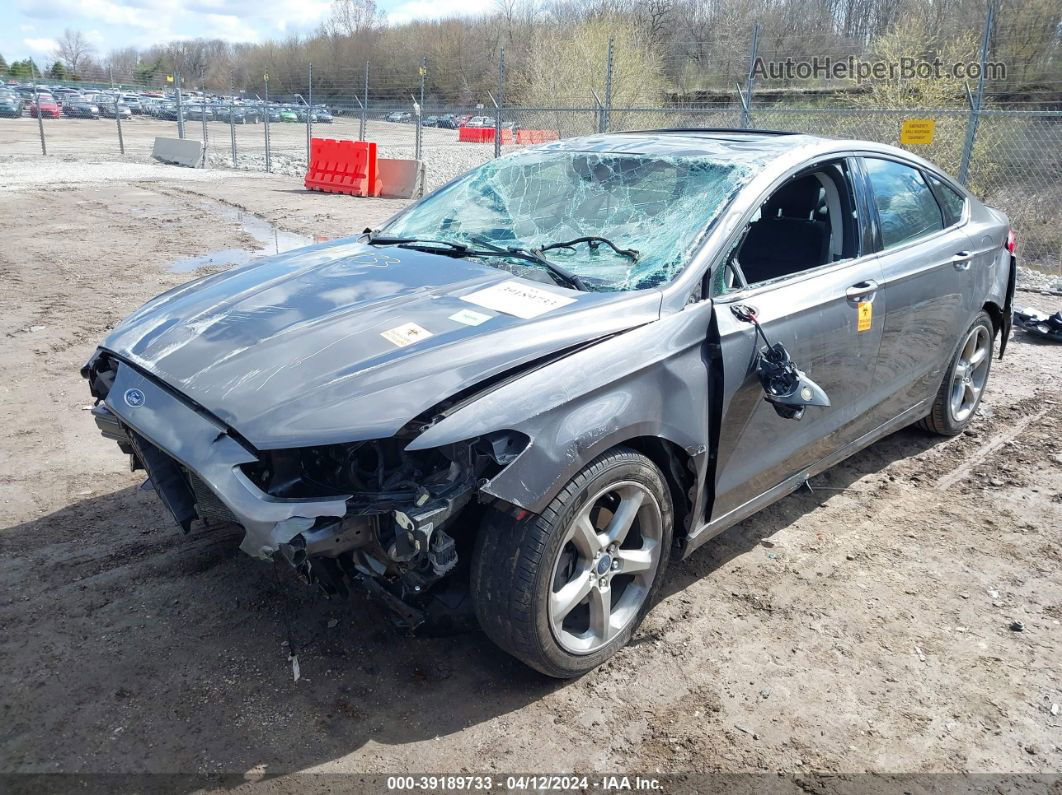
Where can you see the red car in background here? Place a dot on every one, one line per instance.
(49, 108)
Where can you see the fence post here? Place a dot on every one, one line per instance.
(750, 81)
(976, 102)
(606, 113)
(419, 108)
(364, 105)
(309, 112)
(265, 77)
(40, 118)
(203, 110)
(118, 120)
(232, 126)
(180, 107)
(499, 103)
(600, 108)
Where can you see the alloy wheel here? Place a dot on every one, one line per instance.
(970, 373)
(605, 568)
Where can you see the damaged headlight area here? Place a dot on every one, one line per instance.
(394, 522)
(407, 520)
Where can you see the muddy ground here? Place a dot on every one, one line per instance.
(865, 626)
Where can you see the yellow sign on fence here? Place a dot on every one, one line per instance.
(917, 131)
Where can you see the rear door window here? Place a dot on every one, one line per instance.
(906, 206)
(951, 201)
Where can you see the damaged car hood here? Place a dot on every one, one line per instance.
(344, 341)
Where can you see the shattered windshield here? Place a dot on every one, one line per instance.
(657, 204)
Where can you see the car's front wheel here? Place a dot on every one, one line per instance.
(964, 382)
(564, 590)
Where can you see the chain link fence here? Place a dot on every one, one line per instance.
(1011, 157)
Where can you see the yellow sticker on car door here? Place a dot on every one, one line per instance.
(866, 316)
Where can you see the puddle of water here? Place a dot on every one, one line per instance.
(270, 241)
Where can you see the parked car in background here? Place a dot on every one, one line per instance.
(111, 108)
(197, 111)
(166, 111)
(132, 101)
(322, 115)
(399, 116)
(11, 104)
(480, 121)
(288, 114)
(80, 108)
(45, 106)
(447, 121)
(429, 121)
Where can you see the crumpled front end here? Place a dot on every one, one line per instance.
(366, 512)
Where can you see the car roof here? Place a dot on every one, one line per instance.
(748, 145)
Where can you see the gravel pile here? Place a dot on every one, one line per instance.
(16, 174)
(1037, 282)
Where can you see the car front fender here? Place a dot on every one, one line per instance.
(651, 381)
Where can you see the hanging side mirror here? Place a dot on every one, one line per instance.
(785, 387)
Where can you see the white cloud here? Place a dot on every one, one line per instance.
(415, 10)
(27, 28)
(41, 46)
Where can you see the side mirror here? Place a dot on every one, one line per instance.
(784, 386)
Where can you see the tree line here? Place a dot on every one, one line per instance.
(555, 52)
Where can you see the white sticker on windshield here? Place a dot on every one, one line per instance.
(517, 298)
(470, 317)
(406, 334)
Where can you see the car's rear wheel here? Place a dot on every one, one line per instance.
(964, 382)
(564, 590)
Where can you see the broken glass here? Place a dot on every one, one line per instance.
(658, 204)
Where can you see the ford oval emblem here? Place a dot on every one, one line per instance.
(134, 398)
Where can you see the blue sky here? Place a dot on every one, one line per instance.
(28, 28)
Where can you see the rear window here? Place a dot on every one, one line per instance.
(906, 206)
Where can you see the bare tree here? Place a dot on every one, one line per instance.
(73, 49)
(351, 17)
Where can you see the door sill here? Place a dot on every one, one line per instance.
(709, 530)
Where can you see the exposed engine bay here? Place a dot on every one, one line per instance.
(401, 534)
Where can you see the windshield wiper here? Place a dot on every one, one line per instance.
(449, 248)
(418, 243)
(562, 274)
(594, 241)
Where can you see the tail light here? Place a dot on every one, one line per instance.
(1012, 241)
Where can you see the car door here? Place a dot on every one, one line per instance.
(925, 268)
(816, 314)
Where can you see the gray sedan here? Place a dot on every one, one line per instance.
(525, 393)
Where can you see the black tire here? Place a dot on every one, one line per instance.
(942, 419)
(513, 566)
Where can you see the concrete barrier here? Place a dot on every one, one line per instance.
(179, 151)
(401, 179)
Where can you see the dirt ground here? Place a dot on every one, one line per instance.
(864, 626)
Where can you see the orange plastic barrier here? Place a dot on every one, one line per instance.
(343, 167)
(482, 135)
(536, 136)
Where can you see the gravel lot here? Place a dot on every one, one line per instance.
(81, 139)
(865, 626)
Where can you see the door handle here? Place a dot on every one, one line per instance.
(961, 260)
(857, 292)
